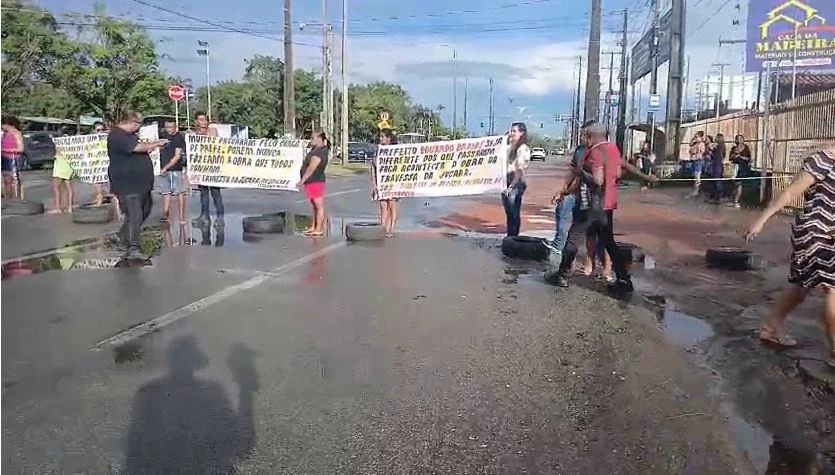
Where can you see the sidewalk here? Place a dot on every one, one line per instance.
(664, 222)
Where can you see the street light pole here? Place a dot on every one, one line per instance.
(454, 90)
(205, 52)
(344, 121)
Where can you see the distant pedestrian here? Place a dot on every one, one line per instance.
(172, 181)
(597, 199)
(518, 158)
(717, 154)
(388, 207)
(131, 176)
(741, 158)
(312, 180)
(646, 163)
(202, 128)
(813, 247)
(696, 161)
(12, 148)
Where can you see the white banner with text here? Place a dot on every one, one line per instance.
(450, 168)
(228, 162)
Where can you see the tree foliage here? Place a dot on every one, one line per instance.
(112, 66)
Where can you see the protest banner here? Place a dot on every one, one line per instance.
(229, 162)
(150, 133)
(86, 154)
(451, 168)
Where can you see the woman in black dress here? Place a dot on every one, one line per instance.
(813, 242)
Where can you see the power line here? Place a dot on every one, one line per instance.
(709, 17)
(218, 25)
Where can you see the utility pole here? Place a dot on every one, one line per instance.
(492, 121)
(675, 79)
(344, 116)
(607, 112)
(577, 99)
(572, 122)
(794, 64)
(454, 91)
(653, 76)
(721, 67)
(466, 84)
(327, 92)
(591, 110)
(289, 86)
(620, 131)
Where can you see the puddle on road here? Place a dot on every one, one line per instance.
(86, 254)
(685, 330)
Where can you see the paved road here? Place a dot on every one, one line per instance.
(424, 354)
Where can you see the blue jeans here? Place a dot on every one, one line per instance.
(562, 216)
(512, 202)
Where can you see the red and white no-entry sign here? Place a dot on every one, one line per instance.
(176, 92)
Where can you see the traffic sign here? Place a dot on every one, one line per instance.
(654, 102)
(176, 92)
(384, 124)
(385, 116)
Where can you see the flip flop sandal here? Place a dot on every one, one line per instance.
(769, 335)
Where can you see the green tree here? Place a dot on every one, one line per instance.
(113, 71)
(308, 99)
(367, 101)
(31, 43)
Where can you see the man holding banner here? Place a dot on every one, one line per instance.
(131, 177)
(202, 128)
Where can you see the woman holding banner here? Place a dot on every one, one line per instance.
(388, 208)
(517, 161)
(313, 180)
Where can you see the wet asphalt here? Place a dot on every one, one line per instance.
(427, 353)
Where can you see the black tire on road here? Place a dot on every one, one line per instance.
(263, 224)
(21, 207)
(365, 232)
(91, 214)
(631, 252)
(729, 258)
(524, 247)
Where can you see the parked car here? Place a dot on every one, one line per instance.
(38, 149)
(360, 151)
(558, 151)
(538, 153)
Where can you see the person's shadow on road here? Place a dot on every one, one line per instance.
(183, 424)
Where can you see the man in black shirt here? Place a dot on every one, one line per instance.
(131, 177)
(172, 182)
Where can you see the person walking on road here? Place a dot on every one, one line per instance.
(172, 183)
(565, 201)
(597, 199)
(741, 158)
(517, 161)
(131, 176)
(313, 181)
(11, 150)
(813, 248)
(202, 128)
(388, 207)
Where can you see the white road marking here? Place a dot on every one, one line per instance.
(330, 195)
(223, 294)
(539, 220)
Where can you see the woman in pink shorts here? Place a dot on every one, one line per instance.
(312, 182)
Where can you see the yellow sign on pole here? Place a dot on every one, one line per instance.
(384, 124)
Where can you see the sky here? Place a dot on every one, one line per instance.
(529, 47)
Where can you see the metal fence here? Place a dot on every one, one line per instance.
(794, 129)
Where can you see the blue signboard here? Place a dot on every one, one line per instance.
(772, 25)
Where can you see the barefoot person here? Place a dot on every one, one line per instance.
(313, 180)
(517, 161)
(388, 207)
(12, 148)
(813, 248)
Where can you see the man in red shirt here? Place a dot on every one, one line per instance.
(597, 199)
